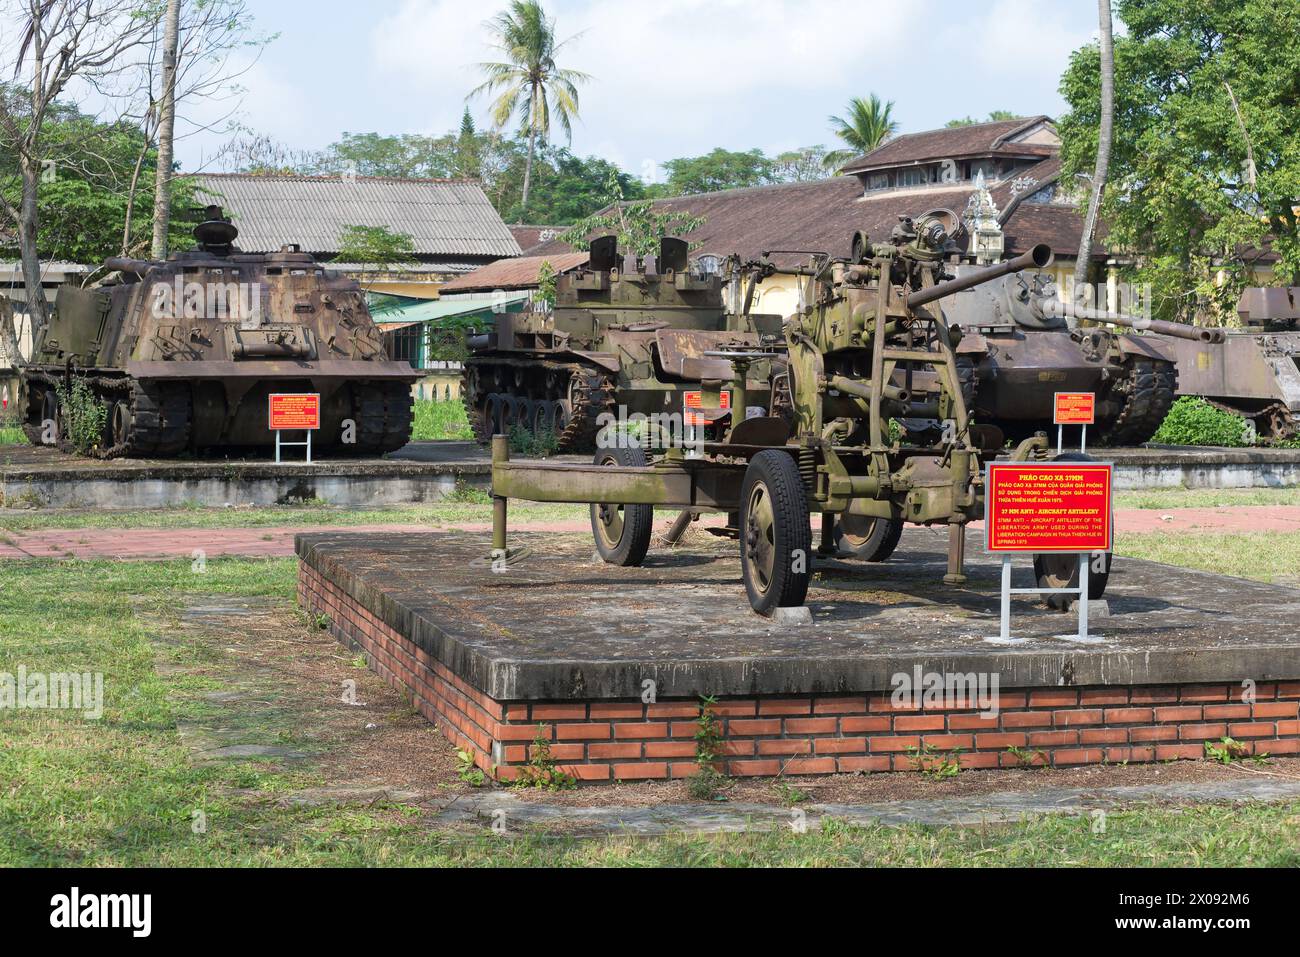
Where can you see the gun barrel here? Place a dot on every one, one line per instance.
(121, 264)
(1036, 258)
(1175, 330)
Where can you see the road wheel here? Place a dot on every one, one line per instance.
(775, 536)
(870, 539)
(622, 532)
(494, 412)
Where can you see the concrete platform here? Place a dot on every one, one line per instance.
(576, 645)
(429, 471)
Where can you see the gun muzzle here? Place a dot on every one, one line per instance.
(1036, 258)
(120, 264)
(1175, 330)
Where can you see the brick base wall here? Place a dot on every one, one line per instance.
(604, 740)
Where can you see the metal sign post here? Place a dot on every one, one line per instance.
(1061, 508)
(1074, 408)
(293, 412)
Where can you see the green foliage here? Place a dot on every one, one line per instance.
(440, 420)
(720, 169)
(375, 246)
(546, 281)
(84, 416)
(84, 193)
(532, 445)
(995, 116)
(705, 784)
(933, 764)
(868, 124)
(469, 772)
(1199, 89)
(638, 225)
(541, 770)
(529, 85)
(1226, 750)
(1194, 421)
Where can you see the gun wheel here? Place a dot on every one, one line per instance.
(870, 539)
(622, 532)
(775, 533)
(1062, 571)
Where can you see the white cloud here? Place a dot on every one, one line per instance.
(678, 77)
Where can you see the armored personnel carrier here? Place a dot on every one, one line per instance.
(1256, 372)
(1017, 350)
(183, 354)
(620, 342)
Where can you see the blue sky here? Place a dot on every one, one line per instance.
(670, 77)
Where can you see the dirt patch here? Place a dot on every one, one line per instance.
(258, 682)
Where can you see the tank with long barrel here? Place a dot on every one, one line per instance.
(1175, 330)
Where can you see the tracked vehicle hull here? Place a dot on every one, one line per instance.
(628, 337)
(181, 356)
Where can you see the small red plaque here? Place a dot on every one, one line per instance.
(1075, 408)
(1048, 507)
(294, 411)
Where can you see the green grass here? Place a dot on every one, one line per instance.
(122, 792)
(1262, 556)
(440, 420)
(12, 435)
(472, 505)
(1206, 498)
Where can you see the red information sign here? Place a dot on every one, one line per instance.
(1075, 408)
(692, 400)
(296, 412)
(1048, 507)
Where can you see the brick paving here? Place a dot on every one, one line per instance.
(277, 542)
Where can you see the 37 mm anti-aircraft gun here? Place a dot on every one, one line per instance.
(868, 322)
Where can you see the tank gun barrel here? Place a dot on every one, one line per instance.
(1176, 330)
(121, 264)
(1035, 258)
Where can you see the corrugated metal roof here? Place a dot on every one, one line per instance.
(443, 309)
(444, 217)
(515, 273)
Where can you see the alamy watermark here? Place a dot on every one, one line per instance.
(53, 691)
(946, 689)
(241, 301)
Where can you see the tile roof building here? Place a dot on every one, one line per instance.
(1017, 161)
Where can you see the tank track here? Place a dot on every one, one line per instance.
(384, 414)
(585, 392)
(160, 415)
(1147, 390)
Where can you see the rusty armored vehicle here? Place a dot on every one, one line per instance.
(869, 322)
(183, 354)
(613, 347)
(1017, 349)
(1256, 372)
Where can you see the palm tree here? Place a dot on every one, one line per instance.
(1104, 134)
(528, 83)
(868, 125)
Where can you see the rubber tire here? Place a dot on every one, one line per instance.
(878, 545)
(638, 520)
(493, 410)
(1047, 570)
(778, 472)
